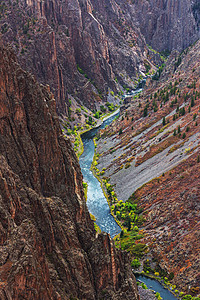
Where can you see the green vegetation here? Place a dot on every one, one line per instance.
(164, 121)
(177, 63)
(112, 93)
(158, 296)
(158, 72)
(126, 212)
(135, 263)
(147, 66)
(102, 108)
(97, 114)
(110, 106)
(189, 297)
(145, 112)
(127, 165)
(129, 243)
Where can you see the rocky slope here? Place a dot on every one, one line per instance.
(80, 48)
(151, 153)
(168, 24)
(48, 247)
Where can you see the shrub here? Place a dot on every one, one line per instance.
(171, 276)
(112, 93)
(102, 108)
(135, 263)
(96, 115)
(127, 165)
(158, 296)
(84, 185)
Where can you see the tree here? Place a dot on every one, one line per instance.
(164, 121)
(145, 112)
(129, 224)
(121, 234)
(120, 131)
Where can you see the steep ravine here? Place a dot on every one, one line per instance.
(151, 154)
(80, 48)
(48, 245)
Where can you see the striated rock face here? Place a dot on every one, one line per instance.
(83, 48)
(78, 47)
(196, 12)
(168, 24)
(48, 248)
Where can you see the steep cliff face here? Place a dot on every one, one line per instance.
(77, 47)
(196, 12)
(151, 154)
(48, 248)
(168, 24)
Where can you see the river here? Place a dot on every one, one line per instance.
(96, 201)
(156, 286)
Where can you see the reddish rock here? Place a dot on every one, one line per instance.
(48, 248)
(159, 166)
(52, 38)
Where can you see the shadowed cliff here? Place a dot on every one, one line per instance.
(48, 247)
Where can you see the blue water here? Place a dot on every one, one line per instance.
(156, 286)
(96, 201)
(98, 206)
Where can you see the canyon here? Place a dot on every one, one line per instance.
(48, 245)
(60, 63)
(77, 47)
(151, 156)
(86, 49)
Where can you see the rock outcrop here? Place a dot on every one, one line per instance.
(168, 24)
(48, 247)
(85, 49)
(80, 48)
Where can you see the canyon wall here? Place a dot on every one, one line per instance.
(48, 245)
(168, 24)
(79, 48)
